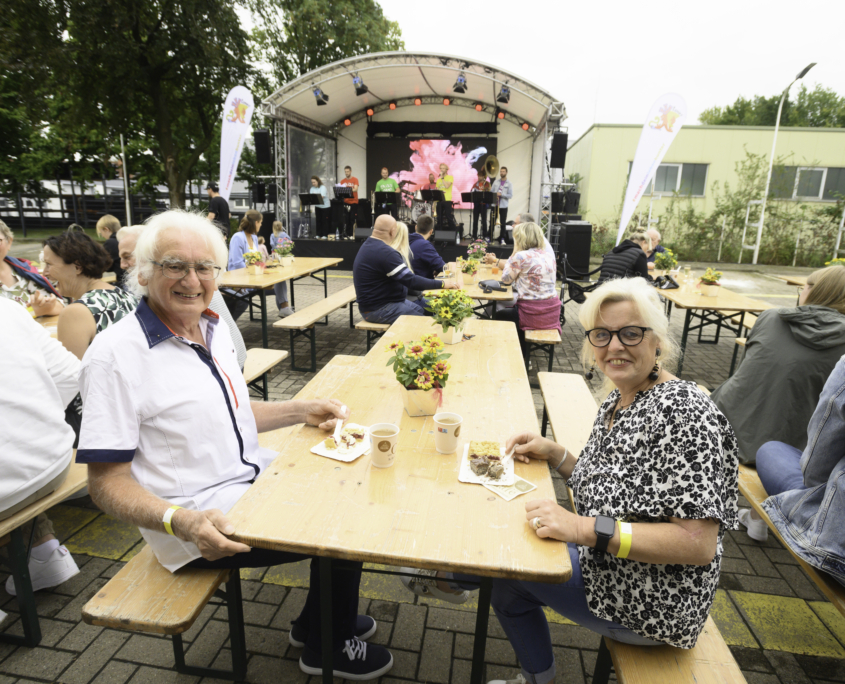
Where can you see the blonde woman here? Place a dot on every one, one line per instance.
(655, 490)
(629, 259)
(532, 271)
(280, 289)
(400, 244)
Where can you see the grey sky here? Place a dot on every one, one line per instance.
(609, 60)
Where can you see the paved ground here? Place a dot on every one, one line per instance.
(779, 627)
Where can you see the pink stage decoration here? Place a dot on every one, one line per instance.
(426, 157)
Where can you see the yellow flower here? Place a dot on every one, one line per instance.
(445, 312)
(424, 379)
(395, 346)
(441, 368)
(416, 351)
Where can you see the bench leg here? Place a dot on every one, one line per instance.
(19, 566)
(311, 334)
(545, 420)
(237, 639)
(551, 349)
(351, 312)
(326, 618)
(733, 360)
(604, 665)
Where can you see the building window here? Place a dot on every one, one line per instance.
(834, 185)
(807, 183)
(810, 183)
(688, 180)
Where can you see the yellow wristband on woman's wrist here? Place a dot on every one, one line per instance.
(168, 516)
(625, 537)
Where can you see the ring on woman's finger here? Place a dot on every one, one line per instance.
(536, 524)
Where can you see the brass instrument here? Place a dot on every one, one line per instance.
(491, 169)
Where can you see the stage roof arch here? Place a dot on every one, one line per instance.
(401, 77)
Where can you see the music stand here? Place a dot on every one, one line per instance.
(309, 199)
(343, 191)
(432, 195)
(387, 198)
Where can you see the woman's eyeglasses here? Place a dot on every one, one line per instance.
(630, 335)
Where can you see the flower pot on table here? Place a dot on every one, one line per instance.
(255, 269)
(709, 290)
(286, 260)
(453, 335)
(420, 402)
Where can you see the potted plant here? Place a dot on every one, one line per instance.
(710, 283)
(835, 262)
(284, 251)
(451, 308)
(254, 262)
(468, 267)
(477, 249)
(422, 371)
(665, 261)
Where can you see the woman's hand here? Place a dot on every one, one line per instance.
(490, 258)
(324, 413)
(527, 445)
(552, 521)
(206, 529)
(45, 305)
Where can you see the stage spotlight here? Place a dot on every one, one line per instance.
(479, 107)
(525, 126)
(348, 122)
(322, 98)
(360, 88)
(504, 95)
(446, 101)
(370, 111)
(461, 84)
(417, 101)
(392, 104)
(499, 114)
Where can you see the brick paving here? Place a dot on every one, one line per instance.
(778, 625)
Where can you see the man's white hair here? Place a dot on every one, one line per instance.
(174, 220)
(654, 233)
(130, 231)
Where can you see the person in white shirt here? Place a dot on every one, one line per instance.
(171, 437)
(36, 444)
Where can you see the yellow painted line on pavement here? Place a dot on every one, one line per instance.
(786, 624)
(68, 520)
(831, 617)
(730, 623)
(339, 276)
(105, 537)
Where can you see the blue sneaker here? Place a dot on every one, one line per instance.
(357, 660)
(365, 627)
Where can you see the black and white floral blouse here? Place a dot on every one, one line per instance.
(671, 453)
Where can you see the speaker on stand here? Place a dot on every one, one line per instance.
(365, 215)
(558, 156)
(258, 193)
(263, 146)
(576, 239)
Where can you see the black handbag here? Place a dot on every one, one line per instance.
(491, 286)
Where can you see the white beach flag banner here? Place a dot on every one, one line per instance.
(237, 113)
(665, 119)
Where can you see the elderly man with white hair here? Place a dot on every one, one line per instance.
(656, 247)
(170, 435)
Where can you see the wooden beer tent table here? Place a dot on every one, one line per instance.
(303, 267)
(711, 311)
(475, 292)
(415, 513)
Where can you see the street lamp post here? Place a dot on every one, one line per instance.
(800, 75)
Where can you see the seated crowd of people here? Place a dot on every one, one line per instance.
(146, 383)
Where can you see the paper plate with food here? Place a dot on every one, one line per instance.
(484, 462)
(346, 444)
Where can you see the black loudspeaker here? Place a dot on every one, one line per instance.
(573, 199)
(263, 146)
(267, 227)
(338, 215)
(558, 202)
(446, 236)
(576, 239)
(558, 150)
(258, 196)
(324, 221)
(363, 233)
(365, 215)
(272, 193)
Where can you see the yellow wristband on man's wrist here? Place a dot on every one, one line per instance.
(168, 516)
(625, 537)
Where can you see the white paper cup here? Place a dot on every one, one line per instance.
(383, 446)
(447, 429)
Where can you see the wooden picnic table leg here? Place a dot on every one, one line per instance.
(235, 613)
(326, 618)
(604, 664)
(263, 294)
(26, 600)
(482, 617)
(292, 294)
(684, 335)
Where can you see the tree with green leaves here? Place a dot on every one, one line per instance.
(820, 107)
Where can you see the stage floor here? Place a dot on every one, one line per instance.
(348, 250)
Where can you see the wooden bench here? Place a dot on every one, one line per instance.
(259, 362)
(301, 324)
(752, 489)
(543, 340)
(374, 330)
(746, 321)
(146, 597)
(571, 410)
(12, 534)
(739, 342)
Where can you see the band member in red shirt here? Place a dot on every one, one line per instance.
(350, 203)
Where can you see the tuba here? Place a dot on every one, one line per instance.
(491, 166)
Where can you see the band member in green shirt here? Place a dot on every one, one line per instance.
(386, 184)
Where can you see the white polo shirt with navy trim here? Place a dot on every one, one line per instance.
(177, 411)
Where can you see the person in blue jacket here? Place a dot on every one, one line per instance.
(425, 260)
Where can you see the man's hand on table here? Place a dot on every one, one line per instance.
(324, 413)
(206, 529)
(450, 285)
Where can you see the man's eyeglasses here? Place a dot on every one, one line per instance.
(630, 335)
(176, 270)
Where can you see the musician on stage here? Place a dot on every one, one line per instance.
(504, 189)
(350, 204)
(387, 184)
(445, 217)
(432, 183)
(479, 209)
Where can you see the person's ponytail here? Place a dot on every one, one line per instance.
(247, 224)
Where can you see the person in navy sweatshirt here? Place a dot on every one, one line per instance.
(382, 279)
(425, 260)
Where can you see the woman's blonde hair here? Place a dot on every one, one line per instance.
(247, 224)
(278, 228)
(827, 288)
(527, 236)
(640, 237)
(647, 304)
(400, 244)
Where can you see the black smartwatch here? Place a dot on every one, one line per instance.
(605, 528)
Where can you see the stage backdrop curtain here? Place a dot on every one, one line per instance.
(309, 155)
